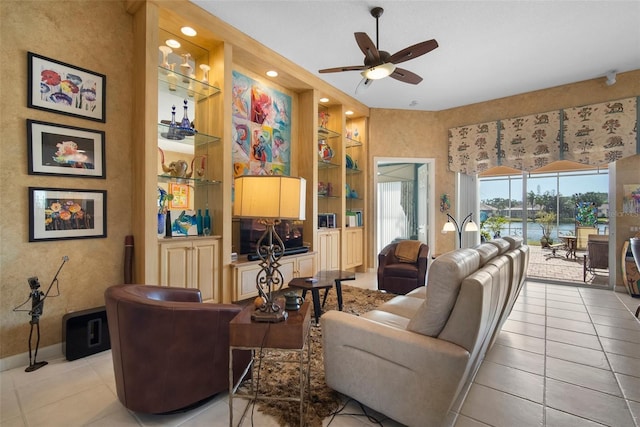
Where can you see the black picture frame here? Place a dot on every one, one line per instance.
(64, 213)
(62, 150)
(65, 89)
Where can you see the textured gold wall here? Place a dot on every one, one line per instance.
(401, 133)
(97, 35)
(92, 34)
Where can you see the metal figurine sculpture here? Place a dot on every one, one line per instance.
(37, 298)
(180, 168)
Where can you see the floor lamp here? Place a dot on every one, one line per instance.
(269, 199)
(467, 224)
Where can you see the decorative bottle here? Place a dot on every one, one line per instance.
(199, 222)
(206, 223)
(185, 123)
(167, 232)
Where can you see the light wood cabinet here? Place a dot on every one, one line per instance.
(291, 266)
(354, 240)
(192, 263)
(328, 249)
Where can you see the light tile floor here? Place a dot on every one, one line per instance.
(567, 356)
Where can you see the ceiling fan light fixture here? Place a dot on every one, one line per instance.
(379, 71)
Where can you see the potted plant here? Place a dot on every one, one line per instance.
(546, 221)
(494, 225)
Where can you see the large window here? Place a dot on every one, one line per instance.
(552, 193)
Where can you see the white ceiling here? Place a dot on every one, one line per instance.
(488, 49)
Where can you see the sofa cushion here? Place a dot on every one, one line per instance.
(514, 241)
(401, 269)
(443, 284)
(502, 245)
(487, 251)
(386, 318)
(402, 305)
(419, 292)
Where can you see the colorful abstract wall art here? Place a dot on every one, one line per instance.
(261, 128)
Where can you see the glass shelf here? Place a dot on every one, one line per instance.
(324, 196)
(185, 86)
(353, 171)
(353, 143)
(188, 181)
(194, 140)
(327, 165)
(327, 133)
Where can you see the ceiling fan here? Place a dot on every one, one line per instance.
(379, 64)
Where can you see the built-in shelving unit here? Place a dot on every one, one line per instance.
(222, 49)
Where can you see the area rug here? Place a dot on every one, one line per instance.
(283, 379)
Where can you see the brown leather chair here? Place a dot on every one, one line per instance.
(401, 277)
(170, 350)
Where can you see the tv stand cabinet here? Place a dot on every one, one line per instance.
(243, 274)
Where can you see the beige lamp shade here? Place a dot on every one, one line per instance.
(279, 197)
(448, 226)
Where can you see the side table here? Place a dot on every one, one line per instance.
(290, 335)
(323, 280)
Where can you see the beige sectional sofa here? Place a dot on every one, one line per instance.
(411, 357)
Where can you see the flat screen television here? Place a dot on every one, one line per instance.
(290, 231)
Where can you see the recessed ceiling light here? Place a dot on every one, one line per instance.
(349, 113)
(272, 73)
(173, 43)
(188, 31)
(324, 99)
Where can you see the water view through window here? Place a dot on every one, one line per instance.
(549, 205)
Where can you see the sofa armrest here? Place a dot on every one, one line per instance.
(409, 377)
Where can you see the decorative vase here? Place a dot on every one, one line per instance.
(206, 226)
(166, 50)
(167, 230)
(162, 220)
(325, 151)
(199, 222)
(205, 73)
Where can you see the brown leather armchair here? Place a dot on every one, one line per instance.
(401, 277)
(169, 349)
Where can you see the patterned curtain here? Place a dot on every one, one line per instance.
(593, 135)
(473, 149)
(531, 142)
(601, 133)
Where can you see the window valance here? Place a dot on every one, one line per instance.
(593, 135)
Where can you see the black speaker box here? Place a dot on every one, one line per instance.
(85, 332)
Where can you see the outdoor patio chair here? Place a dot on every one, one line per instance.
(597, 256)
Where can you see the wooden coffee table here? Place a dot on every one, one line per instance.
(323, 280)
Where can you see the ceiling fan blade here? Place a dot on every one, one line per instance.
(338, 69)
(371, 54)
(406, 76)
(363, 85)
(414, 51)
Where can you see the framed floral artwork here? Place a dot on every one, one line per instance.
(62, 213)
(65, 89)
(65, 150)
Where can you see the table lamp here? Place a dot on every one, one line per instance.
(464, 225)
(269, 199)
